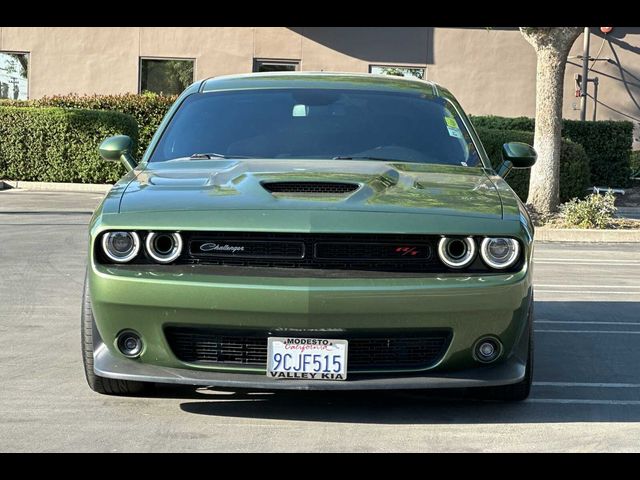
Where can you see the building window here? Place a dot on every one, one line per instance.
(14, 75)
(398, 71)
(165, 75)
(275, 65)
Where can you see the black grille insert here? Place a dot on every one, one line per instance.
(367, 252)
(313, 188)
(212, 347)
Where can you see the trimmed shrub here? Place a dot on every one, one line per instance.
(524, 124)
(595, 211)
(59, 145)
(148, 109)
(635, 163)
(574, 163)
(606, 143)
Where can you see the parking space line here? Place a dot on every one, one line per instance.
(619, 332)
(600, 264)
(582, 401)
(546, 285)
(589, 292)
(580, 322)
(594, 260)
(586, 384)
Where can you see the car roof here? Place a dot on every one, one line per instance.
(328, 80)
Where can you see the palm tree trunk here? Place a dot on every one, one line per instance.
(544, 187)
(552, 45)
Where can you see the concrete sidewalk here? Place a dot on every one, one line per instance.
(55, 187)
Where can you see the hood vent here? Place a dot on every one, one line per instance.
(311, 188)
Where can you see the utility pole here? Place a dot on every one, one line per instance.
(585, 74)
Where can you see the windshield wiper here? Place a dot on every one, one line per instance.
(364, 157)
(197, 156)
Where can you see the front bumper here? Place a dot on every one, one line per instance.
(470, 306)
(106, 364)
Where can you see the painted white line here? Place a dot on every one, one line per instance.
(619, 332)
(545, 285)
(585, 259)
(581, 401)
(588, 292)
(579, 322)
(588, 385)
(626, 264)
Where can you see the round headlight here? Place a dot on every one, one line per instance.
(457, 252)
(121, 247)
(164, 247)
(500, 253)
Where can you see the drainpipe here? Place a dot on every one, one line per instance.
(595, 97)
(585, 74)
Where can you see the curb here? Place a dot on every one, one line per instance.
(56, 187)
(587, 235)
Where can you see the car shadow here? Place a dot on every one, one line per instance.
(398, 407)
(576, 379)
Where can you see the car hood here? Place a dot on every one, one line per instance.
(213, 185)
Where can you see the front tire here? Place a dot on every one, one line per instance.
(106, 386)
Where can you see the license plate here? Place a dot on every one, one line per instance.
(307, 358)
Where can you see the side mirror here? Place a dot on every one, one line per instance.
(118, 148)
(516, 155)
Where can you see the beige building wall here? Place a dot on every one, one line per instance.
(491, 71)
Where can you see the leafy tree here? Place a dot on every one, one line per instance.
(403, 72)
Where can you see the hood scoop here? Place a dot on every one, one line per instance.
(310, 188)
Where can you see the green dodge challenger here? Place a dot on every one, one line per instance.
(311, 231)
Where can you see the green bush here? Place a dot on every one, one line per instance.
(606, 143)
(148, 109)
(635, 163)
(595, 211)
(59, 145)
(524, 124)
(574, 163)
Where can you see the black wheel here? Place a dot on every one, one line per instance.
(517, 391)
(98, 384)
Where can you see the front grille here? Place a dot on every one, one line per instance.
(211, 347)
(314, 188)
(369, 252)
(331, 255)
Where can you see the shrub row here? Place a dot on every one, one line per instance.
(148, 109)
(606, 143)
(574, 163)
(635, 163)
(59, 145)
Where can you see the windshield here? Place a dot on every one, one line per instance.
(318, 124)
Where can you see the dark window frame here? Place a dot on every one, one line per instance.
(146, 57)
(28, 54)
(257, 62)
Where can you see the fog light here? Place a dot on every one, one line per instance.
(487, 350)
(130, 344)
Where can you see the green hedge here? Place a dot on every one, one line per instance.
(635, 163)
(606, 143)
(148, 109)
(59, 145)
(574, 163)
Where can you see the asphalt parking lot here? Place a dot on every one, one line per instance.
(586, 394)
